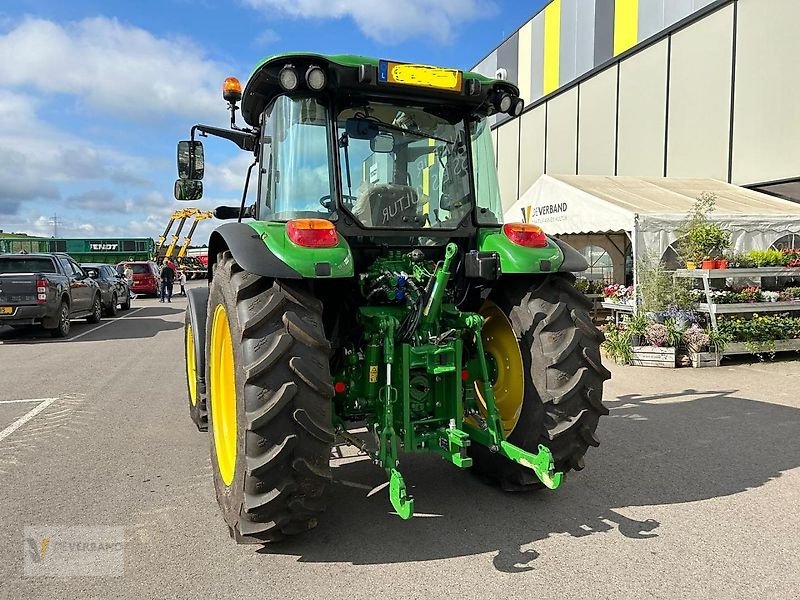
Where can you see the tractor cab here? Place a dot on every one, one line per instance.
(375, 147)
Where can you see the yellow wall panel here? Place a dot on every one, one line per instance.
(626, 25)
(552, 45)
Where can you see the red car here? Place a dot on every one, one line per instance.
(145, 276)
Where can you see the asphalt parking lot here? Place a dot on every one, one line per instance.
(694, 491)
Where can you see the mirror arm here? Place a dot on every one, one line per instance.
(246, 140)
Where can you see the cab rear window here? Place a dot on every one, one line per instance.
(141, 270)
(26, 265)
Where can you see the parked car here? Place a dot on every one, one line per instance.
(145, 276)
(114, 289)
(46, 290)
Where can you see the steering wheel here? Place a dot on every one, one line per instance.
(327, 201)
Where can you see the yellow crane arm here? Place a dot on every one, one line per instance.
(180, 216)
(199, 216)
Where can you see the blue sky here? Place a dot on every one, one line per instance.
(94, 94)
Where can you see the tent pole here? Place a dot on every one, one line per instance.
(635, 256)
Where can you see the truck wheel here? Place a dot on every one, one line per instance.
(111, 309)
(548, 382)
(270, 404)
(61, 329)
(196, 389)
(97, 311)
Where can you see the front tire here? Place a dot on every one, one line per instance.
(198, 398)
(563, 377)
(270, 404)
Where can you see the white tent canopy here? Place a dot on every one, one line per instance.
(649, 210)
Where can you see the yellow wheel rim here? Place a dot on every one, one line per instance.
(501, 348)
(191, 366)
(223, 394)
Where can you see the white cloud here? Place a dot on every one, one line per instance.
(118, 68)
(389, 21)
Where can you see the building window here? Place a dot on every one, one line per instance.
(601, 267)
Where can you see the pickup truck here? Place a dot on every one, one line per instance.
(46, 290)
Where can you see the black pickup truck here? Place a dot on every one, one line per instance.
(46, 290)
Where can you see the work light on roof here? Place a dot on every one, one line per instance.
(519, 104)
(316, 78)
(288, 78)
(503, 102)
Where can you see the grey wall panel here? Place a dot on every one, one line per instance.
(507, 161)
(651, 17)
(597, 124)
(699, 98)
(675, 10)
(766, 132)
(603, 31)
(508, 57)
(488, 66)
(642, 112)
(531, 147)
(568, 41)
(562, 133)
(537, 57)
(584, 50)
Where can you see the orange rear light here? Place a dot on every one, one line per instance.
(312, 233)
(525, 234)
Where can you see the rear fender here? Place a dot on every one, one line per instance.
(262, 248)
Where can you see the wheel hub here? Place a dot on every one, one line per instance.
(223, 394)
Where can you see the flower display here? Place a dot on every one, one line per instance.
(618, 293)
(656, 334)
(695, 338)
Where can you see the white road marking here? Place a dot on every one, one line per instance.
(25, 418)
(26, 400)
(109, 322)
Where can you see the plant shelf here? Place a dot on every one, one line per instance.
(735, 348)
(734, 273)
(749, 307)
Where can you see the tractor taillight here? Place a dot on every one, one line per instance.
(41, 291)
(340, 387)
(525, 234)
(312, 233)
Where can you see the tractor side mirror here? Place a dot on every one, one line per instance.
(188, 189)
(383, 143)
(190, 160)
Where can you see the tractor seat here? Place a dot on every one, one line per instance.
(388, 205)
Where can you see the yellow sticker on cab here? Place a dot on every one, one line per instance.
(373, 374)
(420, 75)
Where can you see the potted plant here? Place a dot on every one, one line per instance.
(695, 338)
(708, 263)
(637, 325)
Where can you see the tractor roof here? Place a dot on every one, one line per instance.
(361, 76)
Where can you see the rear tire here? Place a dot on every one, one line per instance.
(283, 405)
(127, 304)
(63, 325)
(97, 311)
(563, 378)
(111, 309)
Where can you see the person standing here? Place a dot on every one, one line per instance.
(128, 275)
(182, 281)
(167, 281)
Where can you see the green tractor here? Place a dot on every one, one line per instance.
(373, 284)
